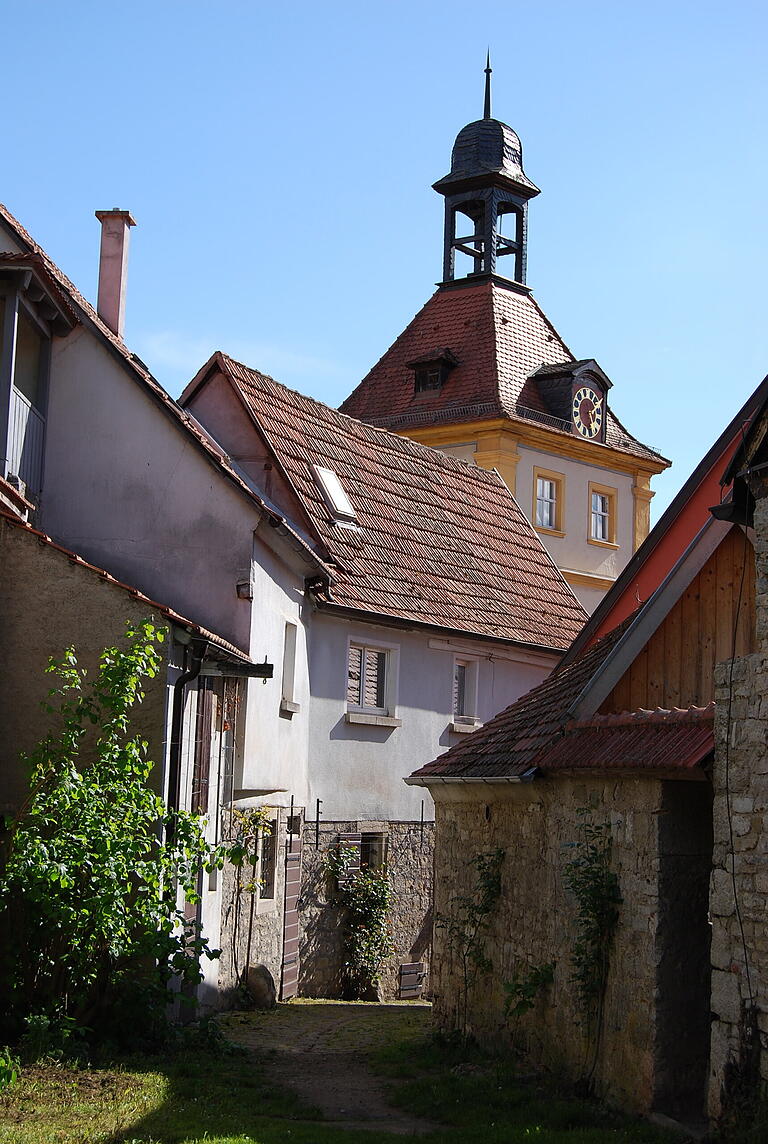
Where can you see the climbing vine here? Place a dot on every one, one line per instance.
(595, 889)
(466, 926)
(523, 989)
(244, 848)
(366, 896)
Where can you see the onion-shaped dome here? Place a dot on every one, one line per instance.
(487, 147)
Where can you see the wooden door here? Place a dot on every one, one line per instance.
(289, 971)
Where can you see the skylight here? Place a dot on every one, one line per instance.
(333, 493)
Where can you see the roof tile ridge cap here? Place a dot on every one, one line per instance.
(366, 428)
(392, 345)
(636, 440)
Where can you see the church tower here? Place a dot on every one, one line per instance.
(482, 373)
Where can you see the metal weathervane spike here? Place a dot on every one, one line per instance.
(488, 72)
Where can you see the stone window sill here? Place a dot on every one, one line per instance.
(369, 719)
(602, 543)
(465, 728)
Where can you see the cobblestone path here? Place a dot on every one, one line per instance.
(318, 1049)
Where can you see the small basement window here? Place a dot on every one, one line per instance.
(334, 494)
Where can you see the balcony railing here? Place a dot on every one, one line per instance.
(26, 433)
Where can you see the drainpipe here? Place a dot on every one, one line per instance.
(193, 662)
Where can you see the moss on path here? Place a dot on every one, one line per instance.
(319, 1050)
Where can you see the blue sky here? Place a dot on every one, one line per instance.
(279, 161)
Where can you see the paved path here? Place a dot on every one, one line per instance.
(318, 1049)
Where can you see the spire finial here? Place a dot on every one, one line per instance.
(488, 71)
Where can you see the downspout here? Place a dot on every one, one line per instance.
(193, 662)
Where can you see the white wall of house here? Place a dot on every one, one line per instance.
(274, 752)
(127, 487)
(357, 768)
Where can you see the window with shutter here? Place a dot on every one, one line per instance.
(203, 732)
(367, 678)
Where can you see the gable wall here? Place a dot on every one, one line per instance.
(218, 408)
(676, 667)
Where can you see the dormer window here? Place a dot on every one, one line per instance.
(430, 377)
(431, 370)
(334, 495)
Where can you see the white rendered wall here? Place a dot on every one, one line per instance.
(358, 770)
(274, 753)
(128, 489)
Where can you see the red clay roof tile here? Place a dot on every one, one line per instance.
(499, 336)
(437, 541)
(517, 738)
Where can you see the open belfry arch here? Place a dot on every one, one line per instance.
(483, 374)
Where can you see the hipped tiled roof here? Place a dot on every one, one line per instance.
(437, 541)
(500, 337)
(516, 740)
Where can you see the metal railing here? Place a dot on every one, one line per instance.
(26, 434)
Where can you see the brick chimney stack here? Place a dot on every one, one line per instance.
(113, 267)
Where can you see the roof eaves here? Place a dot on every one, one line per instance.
(648, 619)
(669, 516)
(405, 622)
(165, 609)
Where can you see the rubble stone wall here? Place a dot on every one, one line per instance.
(409, 857)
(740, 858)
(533, 925)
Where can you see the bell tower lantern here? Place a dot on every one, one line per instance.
(486, 200)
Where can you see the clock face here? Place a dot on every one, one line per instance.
(587, 410)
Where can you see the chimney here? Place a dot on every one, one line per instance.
(113, 267)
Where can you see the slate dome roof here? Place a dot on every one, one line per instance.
(484, 147)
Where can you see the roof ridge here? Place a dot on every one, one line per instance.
(406, 444)
(643, 716)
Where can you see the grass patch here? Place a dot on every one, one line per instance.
(189, 1097)
(488, 1100)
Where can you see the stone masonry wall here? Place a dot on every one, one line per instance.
(740, 858)
(533, 924)
(409, 858)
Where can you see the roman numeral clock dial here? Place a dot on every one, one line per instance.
(587, 412)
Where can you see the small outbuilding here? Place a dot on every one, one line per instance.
(596, 788)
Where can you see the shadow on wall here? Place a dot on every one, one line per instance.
(321, 951)
(360, 732)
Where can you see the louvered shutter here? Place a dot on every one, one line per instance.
(375, 673)
(354, 675)
(459, 688)
(202, 764)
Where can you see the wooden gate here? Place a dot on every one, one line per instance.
(289, 971)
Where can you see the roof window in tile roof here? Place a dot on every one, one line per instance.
(333, 493)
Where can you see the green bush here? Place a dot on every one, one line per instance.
(97, 870)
